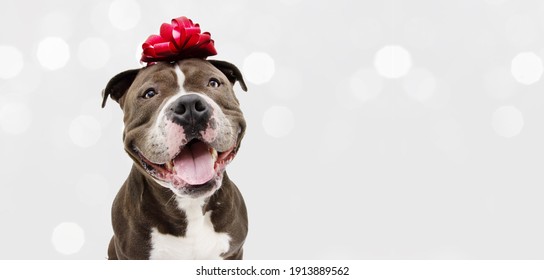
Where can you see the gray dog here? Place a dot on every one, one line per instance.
(183, 126)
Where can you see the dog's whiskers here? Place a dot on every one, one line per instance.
(171, 198)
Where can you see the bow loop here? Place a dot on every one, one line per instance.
(178, 40)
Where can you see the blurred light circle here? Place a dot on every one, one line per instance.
(12, 62)
(258, 68)
(93, 53)
(526, 68)
(53, 53)
(68, 238)
(15, 117)
(419, 84)
(507, 121)
(278, 121)
(365, 84)
(392, 61)
(124, 14)
(85, 131)
(93, 189)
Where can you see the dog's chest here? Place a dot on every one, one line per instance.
(200, 240)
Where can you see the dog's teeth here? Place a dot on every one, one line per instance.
(169, 165)
(214, 153)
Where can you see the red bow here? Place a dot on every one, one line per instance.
(181, 39)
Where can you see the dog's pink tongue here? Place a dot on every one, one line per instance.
(195, 164)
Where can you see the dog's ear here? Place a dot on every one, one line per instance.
(231, 71)
(119, 85)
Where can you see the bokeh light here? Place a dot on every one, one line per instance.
(68, 238)
(53, 53)
(393, 61)
(259, 67)
(527, 68)
(507, 121)
(12, 62)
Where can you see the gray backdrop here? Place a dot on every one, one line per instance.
(376, 129)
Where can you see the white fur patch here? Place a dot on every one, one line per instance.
(181, 80)
(200, 240)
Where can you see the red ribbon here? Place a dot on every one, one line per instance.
(179, 40)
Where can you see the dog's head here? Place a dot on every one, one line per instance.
(183, 123)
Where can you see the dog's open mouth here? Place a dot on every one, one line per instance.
(195, 164)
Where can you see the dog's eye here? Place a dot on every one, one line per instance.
(214, 83)
(149, 93)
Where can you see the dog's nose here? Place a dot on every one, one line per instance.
(190, 110)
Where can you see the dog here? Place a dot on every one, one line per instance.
(182, 127)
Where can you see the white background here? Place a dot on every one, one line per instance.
(376, 129)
